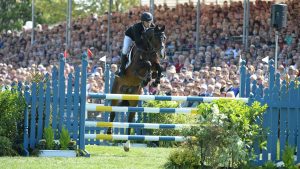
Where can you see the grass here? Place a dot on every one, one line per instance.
(102, 157)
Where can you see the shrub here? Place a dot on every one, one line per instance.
(225, 133)
(49, 137)
(6, 148)
(269, 165)
(182, 158)
(12, 105)
(64, 139)
(288, 157)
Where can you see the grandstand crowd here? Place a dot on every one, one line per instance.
(212, 71)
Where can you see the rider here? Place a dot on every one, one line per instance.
(134, 33)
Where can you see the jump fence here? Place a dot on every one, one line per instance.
(62, 102)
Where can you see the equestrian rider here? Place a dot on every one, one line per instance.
(134, 33)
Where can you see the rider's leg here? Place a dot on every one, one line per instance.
(126, 44)
(162, 53)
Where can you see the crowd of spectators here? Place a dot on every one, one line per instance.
(211, 70)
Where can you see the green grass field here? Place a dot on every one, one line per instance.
(101, 157)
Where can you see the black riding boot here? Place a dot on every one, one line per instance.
(124, 60)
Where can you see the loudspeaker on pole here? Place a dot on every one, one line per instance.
(279, 16)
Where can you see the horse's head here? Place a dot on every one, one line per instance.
(155, 38)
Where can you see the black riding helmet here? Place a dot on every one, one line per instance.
(146, 16)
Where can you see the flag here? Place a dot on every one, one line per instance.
(89, 53)
(103, 59)
(266, 59)
(66, 54)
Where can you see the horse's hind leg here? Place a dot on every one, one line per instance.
(131, 115)
(112, 116)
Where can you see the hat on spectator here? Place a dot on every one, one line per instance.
(291, 68)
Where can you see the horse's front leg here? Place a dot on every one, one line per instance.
(158, 68)
(148, 76)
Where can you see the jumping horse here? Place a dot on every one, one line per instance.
(144, 66)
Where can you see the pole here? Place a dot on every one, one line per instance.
(198, 26)
(108, 29)
(276, 49)
(244, 25)
(33, 20)
(152, 7)
(68, 27)
(247, 25)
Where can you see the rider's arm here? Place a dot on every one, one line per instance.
(130, 33)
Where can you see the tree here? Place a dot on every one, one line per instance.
(86, 7)
(52, 11)
(14, 13)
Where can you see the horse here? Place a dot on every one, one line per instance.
(140, 71)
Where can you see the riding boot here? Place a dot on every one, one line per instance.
(124, 60)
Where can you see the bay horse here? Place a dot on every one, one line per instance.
(144, 66)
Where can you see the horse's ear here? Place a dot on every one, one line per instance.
(162, 28)
(156, 28)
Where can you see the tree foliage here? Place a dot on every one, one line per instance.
(101, 6)
(14, 13)
(52, 11)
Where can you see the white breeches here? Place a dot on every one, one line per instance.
(126, 44)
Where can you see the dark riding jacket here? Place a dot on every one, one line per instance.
(135, 33)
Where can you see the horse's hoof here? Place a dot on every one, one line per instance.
(126, 146)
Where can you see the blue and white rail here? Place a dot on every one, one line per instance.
(160, 98)
(135, 125)
(135, 137)
(99, 108)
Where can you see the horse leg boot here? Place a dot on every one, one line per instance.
(124, 60)
(157, 79)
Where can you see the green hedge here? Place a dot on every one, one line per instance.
(11, 122)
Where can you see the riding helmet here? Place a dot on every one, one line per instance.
(146, 16)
